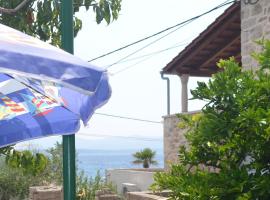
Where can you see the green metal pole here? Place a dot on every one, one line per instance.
(69, 171)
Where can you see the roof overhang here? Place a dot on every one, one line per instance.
(222, 39)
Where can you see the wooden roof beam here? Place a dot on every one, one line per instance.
(213, 35)
(215, 54)
(198, 73)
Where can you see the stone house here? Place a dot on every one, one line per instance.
(232, 34)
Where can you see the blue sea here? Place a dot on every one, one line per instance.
(92, 161)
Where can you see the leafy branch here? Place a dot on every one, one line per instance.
(232, 135)
(42, 18)
(13, 11)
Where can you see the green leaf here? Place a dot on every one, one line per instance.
(99, 15)
(87, 4)
(107, 12)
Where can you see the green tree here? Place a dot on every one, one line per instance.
(41, 18)
(145, 157)
(231, 137)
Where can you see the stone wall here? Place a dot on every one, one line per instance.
(106, 194)
(144, 196)
(128, 180)
(173, 138)
(255, 24)
(46, 193)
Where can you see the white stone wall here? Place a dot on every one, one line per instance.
(255, 24)
(135, 180)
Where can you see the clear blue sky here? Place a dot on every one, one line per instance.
(138, 91)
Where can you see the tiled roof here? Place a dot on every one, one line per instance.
(220, 40)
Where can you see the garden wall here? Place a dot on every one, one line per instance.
(130, 179)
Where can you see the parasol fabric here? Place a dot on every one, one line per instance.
(43, 90)
(27, 114)
(27, 56)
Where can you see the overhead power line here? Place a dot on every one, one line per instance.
(164, 30)
(145, 46)
(148, 56)
(120, 136)
(128, 118)
(155, 52)
(158, 39)
(130, 66)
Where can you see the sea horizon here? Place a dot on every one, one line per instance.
(101, 154)
(92, 161)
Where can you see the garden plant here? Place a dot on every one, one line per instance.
(15, 182)
(228, 152)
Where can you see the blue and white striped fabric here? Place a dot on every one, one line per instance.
(43, 90)
(79, 103)
(27, 56)
(26, 114)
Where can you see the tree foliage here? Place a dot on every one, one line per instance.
(41, 18)
(27, 161)
(15, 183)
(145, 157)
(229, 142)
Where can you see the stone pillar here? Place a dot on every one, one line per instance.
(46, 193)
(255, 24)
(172, 138)
(184, 97)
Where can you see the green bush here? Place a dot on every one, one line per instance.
(87, 187)
(231, 136)
(15, 182)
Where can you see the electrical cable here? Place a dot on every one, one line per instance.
(140, 49)
(119, 136)
(164, 30)
(145, 46)
(148, 56)
(128, 118)
(154, 53)
(130, 66)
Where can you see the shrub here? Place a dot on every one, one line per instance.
(15, 183)
(231, 135)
